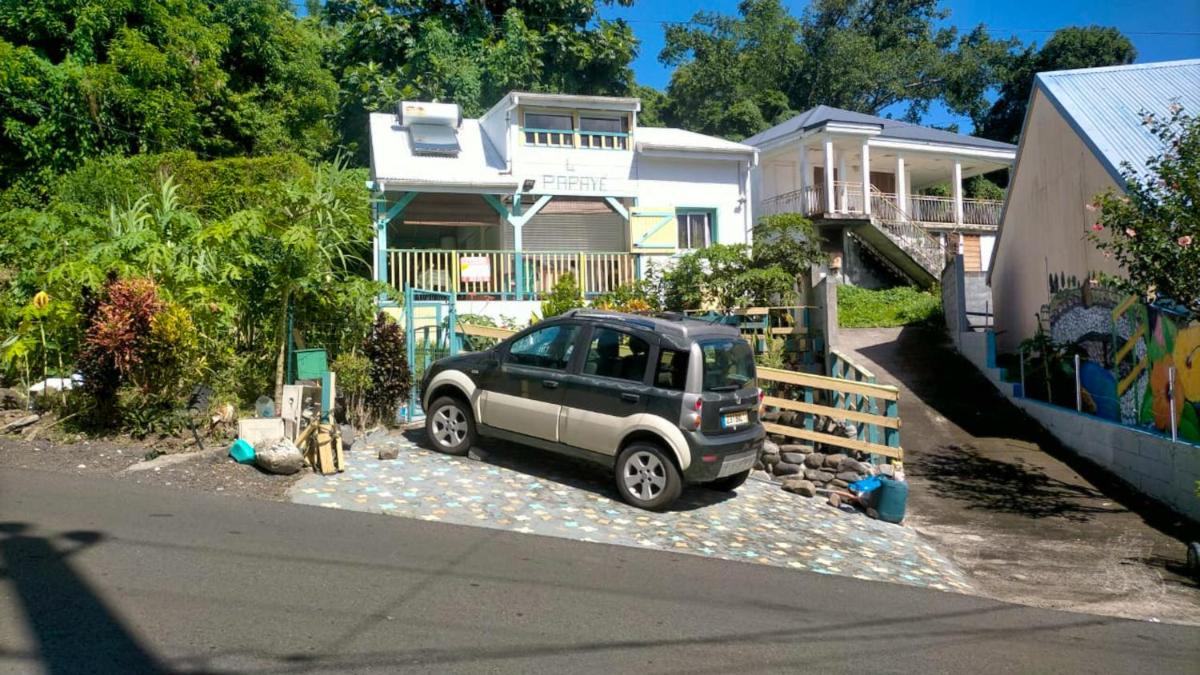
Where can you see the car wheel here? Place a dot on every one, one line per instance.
(647, 478)
(450, 426)
(729, 483)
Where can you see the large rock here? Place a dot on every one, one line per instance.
(849, 476)
(389, 451)
(818, 476)
(11, 399)
(837, 482)
(279, 456)
(833, 461)
(793, 457)
(814, 461)
(850, 464)
(770, 448)
(796, 447)
(785, 469)
(800, 487)
(770, 460)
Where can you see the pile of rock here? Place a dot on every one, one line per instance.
(803, 470)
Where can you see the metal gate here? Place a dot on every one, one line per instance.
(431, 333)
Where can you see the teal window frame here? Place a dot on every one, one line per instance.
(710, 211)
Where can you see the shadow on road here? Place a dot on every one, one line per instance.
(571, 472)
(75, 630)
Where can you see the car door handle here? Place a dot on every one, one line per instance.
(550, 384)
(632, 398)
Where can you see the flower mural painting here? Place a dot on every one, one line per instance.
(1186, 357)
(1160, 402)
(1179, 349)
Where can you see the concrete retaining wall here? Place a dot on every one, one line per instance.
(1154, 465)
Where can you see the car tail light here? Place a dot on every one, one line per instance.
(762, 407)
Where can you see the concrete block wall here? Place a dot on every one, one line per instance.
(1154, 465)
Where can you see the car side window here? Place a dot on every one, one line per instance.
(671, 370)
(612, 353)
(550, 347)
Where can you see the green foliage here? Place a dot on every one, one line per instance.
(96, 77)
(735, 76)
(354, 384)
(1050, 368)
(976, 187)
(391, 380)
(1068, 48)
(564, 296)
(724, 276)
(1153, 230)
(640, 297)
(787, 241)
(900, 306)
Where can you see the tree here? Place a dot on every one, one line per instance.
(1153, 230)
(95, 77)
(1068, 48)
(470, 53)
(735, 76)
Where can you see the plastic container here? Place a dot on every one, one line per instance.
(891, 499)
(242, 452)
(310, 364)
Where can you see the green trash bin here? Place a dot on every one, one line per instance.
(310, 364)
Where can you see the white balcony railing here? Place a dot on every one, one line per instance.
(847, 197)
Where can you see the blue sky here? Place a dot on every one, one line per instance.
(1156, 27)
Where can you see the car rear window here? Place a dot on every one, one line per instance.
(728, 365)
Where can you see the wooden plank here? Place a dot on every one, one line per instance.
(839, 441)
(799, 406)
(485, 331)
(789, 330)
(751, 311)
(883, 391)
(864, 374)
(1124, 307)
(1129, 379)
(1137, 335)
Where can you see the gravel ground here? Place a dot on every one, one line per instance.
(124, 458)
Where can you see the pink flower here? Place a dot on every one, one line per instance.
(1090, 206)
(1130, 232)
(1096, 227)
(1185, 241)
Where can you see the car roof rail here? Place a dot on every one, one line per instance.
(584, 313)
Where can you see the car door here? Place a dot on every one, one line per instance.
(608, 385)
(525, 396)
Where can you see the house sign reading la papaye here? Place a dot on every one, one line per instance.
(571, 183)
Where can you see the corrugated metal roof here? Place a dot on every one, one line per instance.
(894, 129)
(667, 138)
(1106, 106)
(478, 163)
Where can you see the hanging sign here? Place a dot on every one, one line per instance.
(475, 269)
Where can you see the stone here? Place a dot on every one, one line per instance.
(849, 476)
(770, 460)
(477, 454)
(389, 452)
(832, 461)
(818, 476)
(279, 456)
(776, 438)
(793, 457)
(850, 464)
(800, 487)
(814, 461)
(770, 448)
(771, 416)
(11, 399)
(837, 482)
(796, 447)
(759, 466)
(785, 469)
(789, 417)
(887, 470)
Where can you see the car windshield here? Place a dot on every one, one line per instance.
(728, 365)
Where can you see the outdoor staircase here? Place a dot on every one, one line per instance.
(904, 245)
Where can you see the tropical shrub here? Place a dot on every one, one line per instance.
(725, 276)
(564, 296)
(391, 380)
(639, 297)
(354, 384)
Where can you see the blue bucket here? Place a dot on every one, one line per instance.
(891, 499)
(242, 452)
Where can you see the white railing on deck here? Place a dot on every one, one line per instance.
(930, 209)
(441, 270)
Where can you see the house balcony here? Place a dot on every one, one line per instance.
(507, 275)
(929, 211)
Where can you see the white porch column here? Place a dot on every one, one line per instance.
(956, 192)
(866, 177)
(805, 178)
(829, 203)
(901, 185)
(843, 194)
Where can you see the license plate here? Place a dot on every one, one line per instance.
(735, 419)
(737, 464)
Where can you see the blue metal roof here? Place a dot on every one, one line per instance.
(889, 128)
(1106, 106)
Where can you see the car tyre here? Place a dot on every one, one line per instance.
(450, 426)
(647, 478)
(729, 483)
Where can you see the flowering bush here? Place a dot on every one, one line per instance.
(1153, 230)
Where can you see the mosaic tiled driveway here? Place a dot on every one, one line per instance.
(526, 490)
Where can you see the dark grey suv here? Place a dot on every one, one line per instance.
(662, 401)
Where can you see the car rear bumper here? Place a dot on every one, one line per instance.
(715, 457)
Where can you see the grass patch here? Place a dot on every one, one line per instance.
(901, 306)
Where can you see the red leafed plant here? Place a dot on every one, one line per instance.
(122, 323)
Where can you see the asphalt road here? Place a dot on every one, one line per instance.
(106, 576)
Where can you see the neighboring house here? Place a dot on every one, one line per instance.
(1081, 128)
(498, 209)
(898, 231)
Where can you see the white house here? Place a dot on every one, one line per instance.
(899, 229)
(496, 209)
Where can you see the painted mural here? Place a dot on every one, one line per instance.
(1128, 350)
